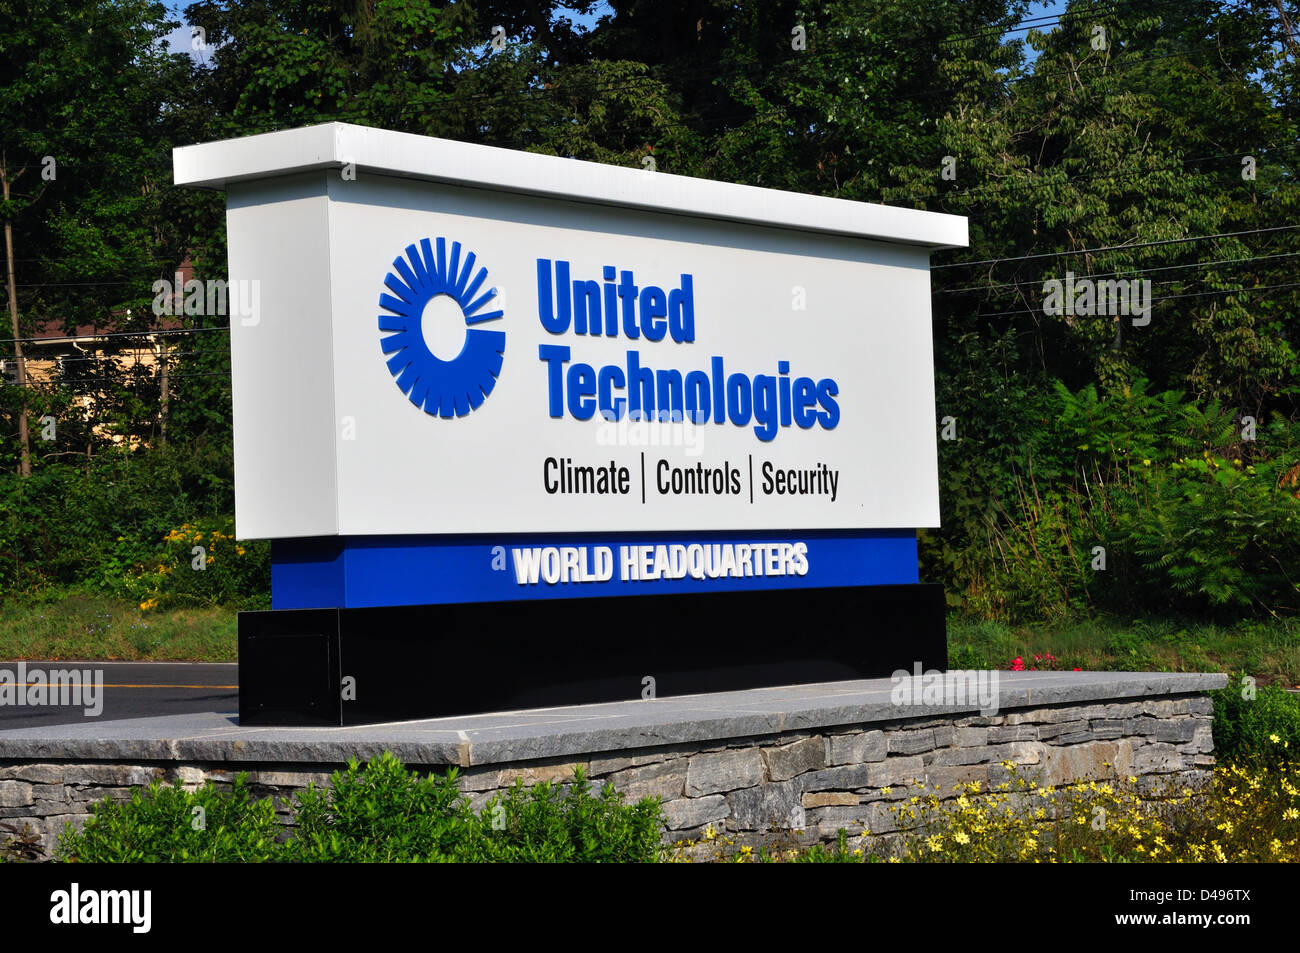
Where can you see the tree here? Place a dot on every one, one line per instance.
(85, 87)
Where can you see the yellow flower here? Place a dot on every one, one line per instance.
(1274, 738)
(885, 791)
(148, 604)
(961, 837)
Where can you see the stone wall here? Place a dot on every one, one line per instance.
(807, 784)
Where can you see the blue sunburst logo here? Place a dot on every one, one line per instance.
(444, 388)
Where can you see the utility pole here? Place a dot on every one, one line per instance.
(162, 404)
(24, 439)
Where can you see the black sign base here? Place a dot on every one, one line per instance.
(364, 666)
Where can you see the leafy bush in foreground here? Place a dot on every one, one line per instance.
(1245, 728)
(168, 824)
(377, 813)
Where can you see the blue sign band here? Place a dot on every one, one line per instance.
(366, 571)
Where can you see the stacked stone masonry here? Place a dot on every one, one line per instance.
(808, 785)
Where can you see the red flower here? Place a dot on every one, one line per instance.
(1017, 664)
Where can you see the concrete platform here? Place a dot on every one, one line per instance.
(550, 733)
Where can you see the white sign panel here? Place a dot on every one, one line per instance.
(430, 357)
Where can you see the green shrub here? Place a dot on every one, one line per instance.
(201, 564)
(551, 823)
(1192, 517)
(170, 825)
(380, 812)
(112, 525)
(1244, 728)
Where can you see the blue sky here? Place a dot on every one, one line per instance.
(179, 39)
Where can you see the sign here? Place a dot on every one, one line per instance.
(467, 377)
(437, 357)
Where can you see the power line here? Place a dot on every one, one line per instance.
(1040, 177)
(1197, 294)
(83, 284)
(105, 380)
(113, 334)
(168, 355)
(1101, 248)
(1113, 274)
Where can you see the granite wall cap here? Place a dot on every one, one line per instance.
(502, 737)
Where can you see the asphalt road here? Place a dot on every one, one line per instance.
(129, 690)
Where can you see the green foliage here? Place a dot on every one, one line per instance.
(167, 824)
(1102, 161)
(1268, 647)
(1130, 651)
(383, 813)
(113, 525)
(837, 853)
(968, 657)
(1135, 502)
(61, 623)
(379, 813)
(550, 823)
(1244, 728)
(202, 564)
